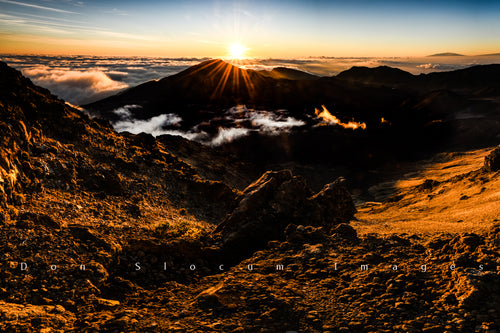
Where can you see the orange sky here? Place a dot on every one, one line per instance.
(266, 28)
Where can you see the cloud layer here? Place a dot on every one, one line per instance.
(239, 121)
(78, 87)
(84, 79)
(155, 126)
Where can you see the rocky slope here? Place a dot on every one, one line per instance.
(126, 233)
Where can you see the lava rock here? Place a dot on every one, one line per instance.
(334, 202)
(106, 180)
(87, 235)
(40, 219)
(133, 210)
(492, 161)
(264, 210)
(274, 201)
(345, 231)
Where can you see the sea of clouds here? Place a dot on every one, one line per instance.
(239, 121)
(85, 79)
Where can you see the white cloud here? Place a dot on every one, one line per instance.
(77, 87)
(154, 126)
(125, 112)
(429, 66)
(37, 7)
(271, 122)
(228, 134)
(241, 121)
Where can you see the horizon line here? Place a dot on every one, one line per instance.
(436, 55)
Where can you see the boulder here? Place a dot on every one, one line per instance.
(87, 235)
(334, 203)
(274, 201)
(39, 219)
(106, 180)
(492, 161)
(265, 208)
(345, 231)
(471, 287)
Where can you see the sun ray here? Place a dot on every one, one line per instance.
(227, 74)
(237, 51)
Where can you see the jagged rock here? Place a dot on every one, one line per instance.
(97, 272)
(85, 234)
(133, 210)
(3, 217)
(28, 317)
(427, 185)
(274, 201)
(474, 287)
(492, 161)
(335, 202)
(107, 303)
(468, 241)
(106, 180)
(209, 298)
(345, 231)
(40, 219)
(262, 214)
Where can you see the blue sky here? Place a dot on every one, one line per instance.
(264, 28)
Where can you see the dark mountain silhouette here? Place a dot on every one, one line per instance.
(382, 75)
(468, 80)
(404, 113)
(209, 87)
(213, 85)
(476, 80)
(446, 54)
(202, 84)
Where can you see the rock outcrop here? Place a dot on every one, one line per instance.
(272, 202)
(492, 161)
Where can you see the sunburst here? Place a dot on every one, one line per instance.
(237, 51)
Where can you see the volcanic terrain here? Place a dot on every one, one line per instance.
(107, 231)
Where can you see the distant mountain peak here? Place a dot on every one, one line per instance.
(446, 54)
(377, 75)
(490, 55)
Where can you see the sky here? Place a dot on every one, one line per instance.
(266, 29)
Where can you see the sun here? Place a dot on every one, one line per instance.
(237, 51)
